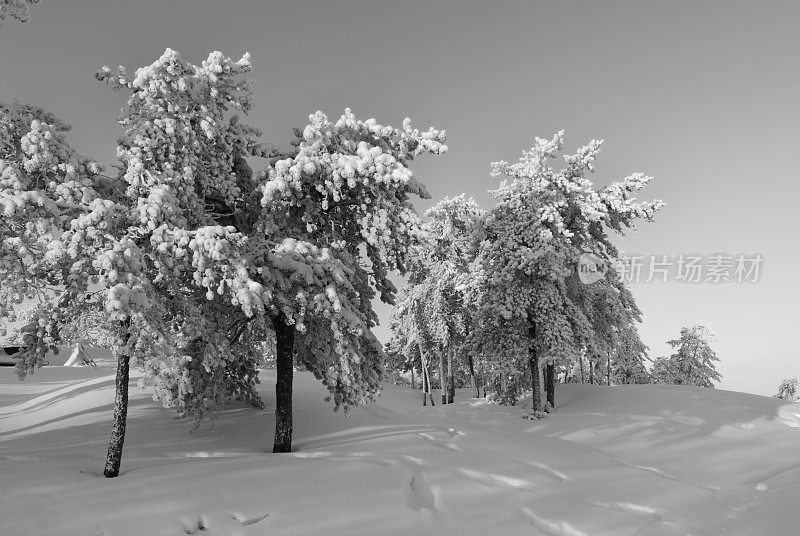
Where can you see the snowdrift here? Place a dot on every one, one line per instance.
(611, 461)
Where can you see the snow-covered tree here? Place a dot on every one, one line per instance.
(348, 189)
(628, 365)
(664, 371)
(431, 318)
(16, 9)
(693, 363)
(193, 201)
(544, 220)
(787, 390)
(616, 351)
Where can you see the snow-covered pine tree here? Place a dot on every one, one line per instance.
(543, 221)
(693, 363)
(787, 390)
(454, 231)
(628, 365)
(194, 202)
(410, 341)
(664, 371)
(431, 317)
(348, 189)
(613, 338)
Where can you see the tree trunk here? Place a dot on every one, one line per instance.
(120, 418)
(533, 362)
(483, 380)
(591, 372)
(442, 378)
(430, 389)
(475, 389)
(426, 378)
(451, 391)
(413, 384)
(424, 388)
(608, 369)
(284, 364)
(583, 374)
(550, 378)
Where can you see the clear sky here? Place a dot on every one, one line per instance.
(701, 95)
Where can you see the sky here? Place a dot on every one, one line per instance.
(703, 96)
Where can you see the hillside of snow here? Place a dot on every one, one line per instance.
(641, 460)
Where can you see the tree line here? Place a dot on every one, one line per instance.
(497, 299)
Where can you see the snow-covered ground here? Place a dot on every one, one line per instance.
(612, 461)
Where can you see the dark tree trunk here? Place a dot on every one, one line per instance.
(424, 389)
(442, 378)
(413, 384)
(533, 361)
(608, 369)
(284, 365)
(120, 418)
(424, 378)
(591, 372)
(425, 385)
(550, 378)
(451, 391)
(583, 373)
(117, 439)
(476, 390)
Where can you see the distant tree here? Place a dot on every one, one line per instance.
(431, 317)
(664, 371)
(616, 350)
(16, 9)
(629, 355)
(787, 390)
(693, 363)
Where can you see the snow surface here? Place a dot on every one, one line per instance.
(612, 461)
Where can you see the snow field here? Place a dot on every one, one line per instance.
(629, 460)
